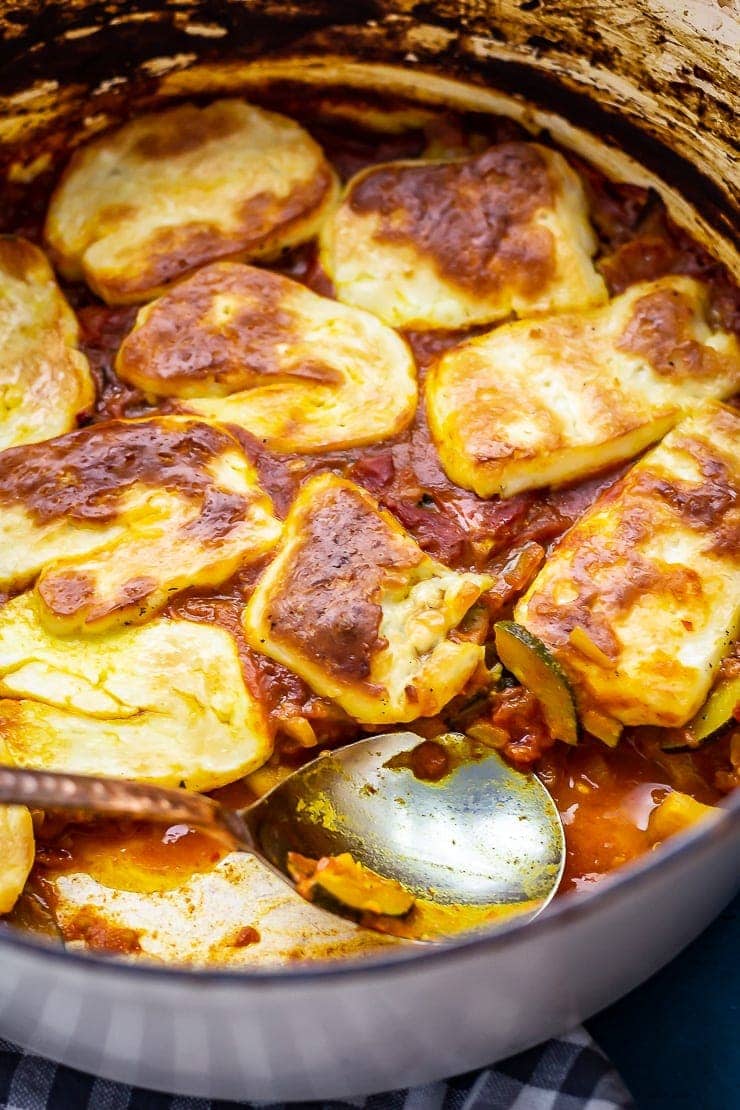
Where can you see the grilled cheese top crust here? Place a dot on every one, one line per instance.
(112, 520)
(163, 703)
(354, 606)
(45, 382)
(248, 347)
(535, 403)
(146, 204)
(456, 243)
(641, 599)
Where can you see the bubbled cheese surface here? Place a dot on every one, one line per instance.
(535, 403)
(45, 382)
(163, 703)
(650, 576)
(147, 203)
(248, 347)
(112, 520)
(353, 605)
(452, 244)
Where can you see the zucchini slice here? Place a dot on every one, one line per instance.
(718, 710)
(530, 661)
(602, 727)
(349, 882)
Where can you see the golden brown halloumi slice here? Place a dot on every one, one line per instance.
(17, 850)
(354, 606)
(45, 381)
(144, 205)
(112, 520)
(455, 243)
(248, 347)
(163, 702)
(544, 401)
(641, 598)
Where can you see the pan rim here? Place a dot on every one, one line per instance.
(561, 912)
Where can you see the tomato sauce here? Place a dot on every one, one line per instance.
(605, 795)
(131, 856)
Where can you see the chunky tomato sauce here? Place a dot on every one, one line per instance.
(604, 795)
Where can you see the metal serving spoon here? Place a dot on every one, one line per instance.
(472, 839)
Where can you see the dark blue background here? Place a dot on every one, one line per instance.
(676, 1039)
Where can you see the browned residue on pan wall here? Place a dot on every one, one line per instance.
(662, 84)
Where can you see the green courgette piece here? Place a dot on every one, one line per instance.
(601, 726)
(530, 661)
(718, 710)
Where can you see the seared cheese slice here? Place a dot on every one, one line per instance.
(45, 381)
(144, 205)
(354, 606)
(641, 598)
(544, 401)
(163, 703)
(253, 348)
(112, 520)
(17, 849)
(448, 244)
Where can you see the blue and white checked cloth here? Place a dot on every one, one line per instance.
(570, 1073)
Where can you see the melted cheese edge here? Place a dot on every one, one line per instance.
(163, 703)
(650, 575)
(300, 372)
(145, 204)
(45, 381)
(537, 403)
(17, 851)
(415, 668)
(402, 284)
(90, 576)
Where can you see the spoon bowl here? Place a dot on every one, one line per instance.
(471, 839)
